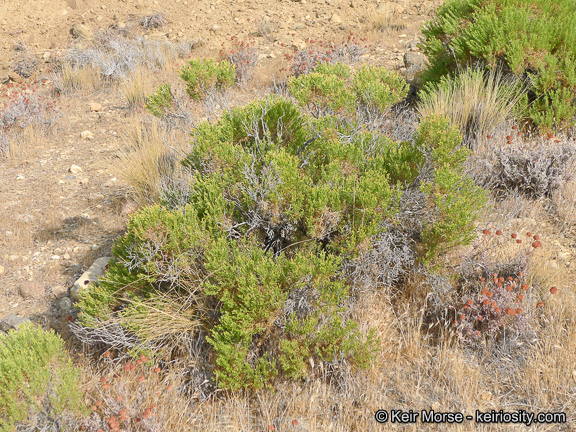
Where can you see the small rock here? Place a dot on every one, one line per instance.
(65, 305)
(84, 181)
(128, 208)
(336, 19)
(87, 135)
(12, 321)
(2, 270)
(66, 256)
(563, 255)
(46, 56)
(411, 74)
(81, 31)
(19, 177)
(55, 257)
(215, 27)
(89, 276)
(73, 3)
(59, 291)
(74, 169)
(95, 107)
(30, 289)
(412, 58)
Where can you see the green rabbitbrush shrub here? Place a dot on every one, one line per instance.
(204, 75)
(534, 40)
(278, 203)
(35, 376)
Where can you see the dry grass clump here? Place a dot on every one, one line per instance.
(386, 17)
(476, 102)
(266, 27)
(133, 91)
(151, 158)
(564, 201)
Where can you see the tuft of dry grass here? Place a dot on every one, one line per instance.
(386, 16)
(133, 91)
(150, 159)
(475, 102)
(564, 201)
(71, 79)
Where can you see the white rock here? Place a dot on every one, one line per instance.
(336, 19)
(2, 270)
(95, 106)
(89, 276)
(75, 169)
(87, 135)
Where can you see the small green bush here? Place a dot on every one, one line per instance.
(524, 37)
(158, 101)
(454, 199)
(206, 74)
(331, 89)
(34, 375)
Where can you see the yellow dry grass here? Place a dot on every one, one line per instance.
(150, 158)
(476, 103)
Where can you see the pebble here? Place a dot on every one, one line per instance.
(95, 107)
(87, 135)
(75, 169)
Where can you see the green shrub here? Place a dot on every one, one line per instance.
(454, 199)
(277, 203)
(524, 37)
(35, 376)
(158, 101)
(206, 74)
(331, 89)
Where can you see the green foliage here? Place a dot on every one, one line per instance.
(376, 87)
(157, 102)
(453, 198)
(34, 374)
(276, 204)
(205, 74)
(330, 88)
(524, 37)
